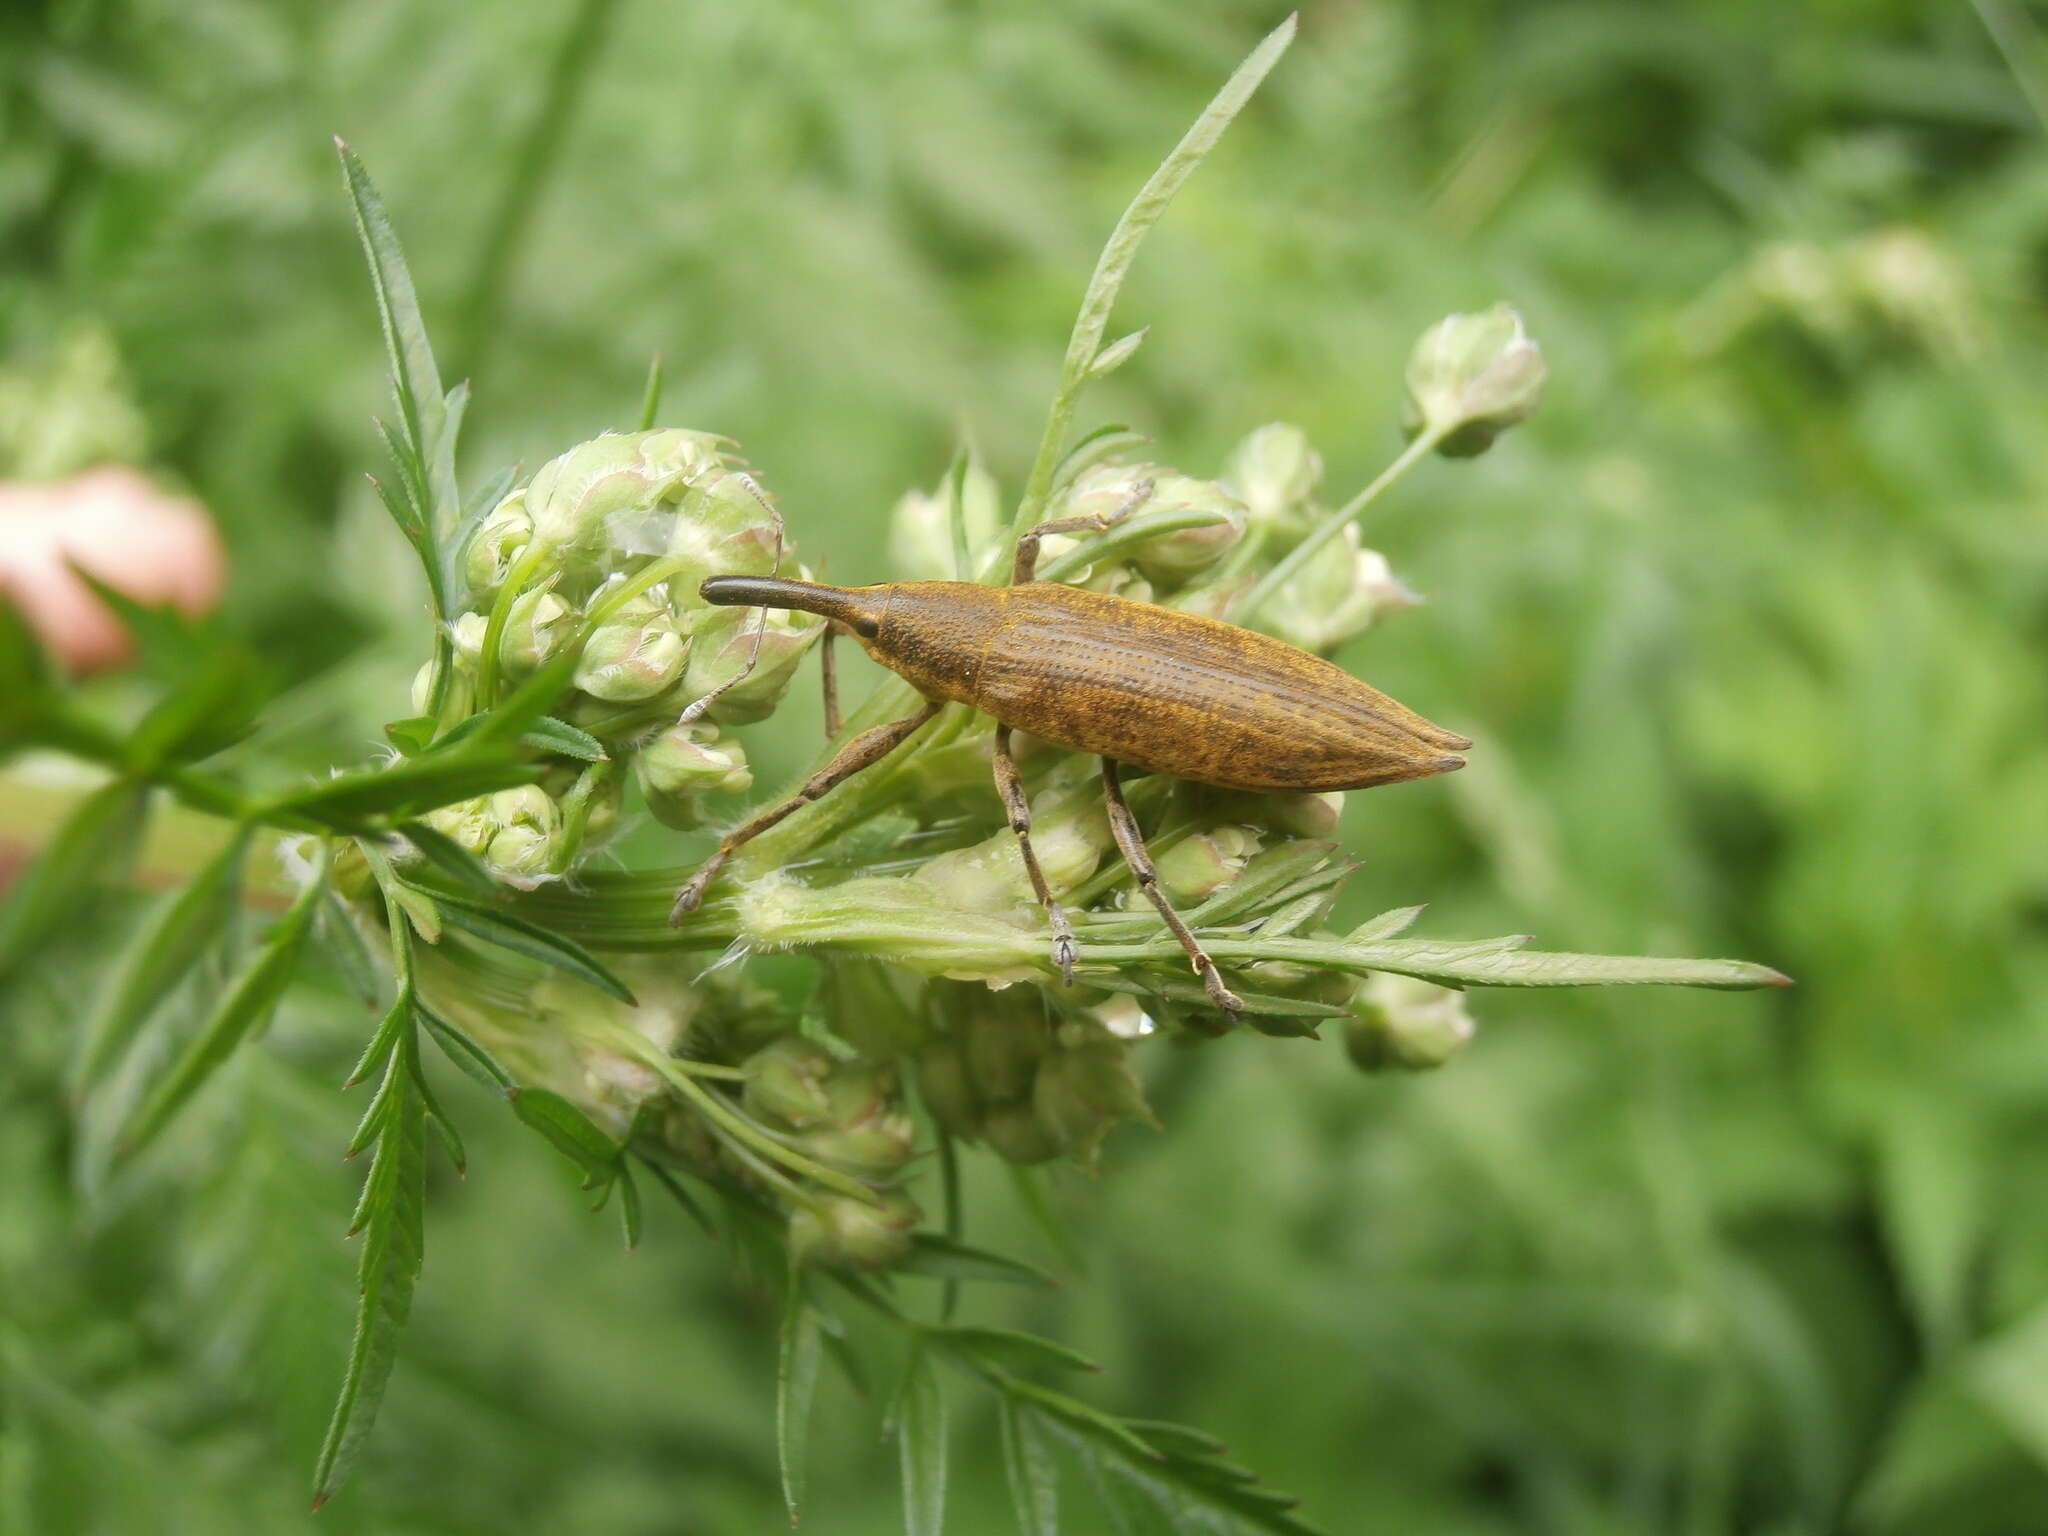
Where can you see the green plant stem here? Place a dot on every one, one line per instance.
(1246, 610)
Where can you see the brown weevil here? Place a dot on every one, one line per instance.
(1129, 681)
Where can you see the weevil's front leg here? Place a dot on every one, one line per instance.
(864, 751)
(1011, 788)
(1025, 566)
(1132, 842)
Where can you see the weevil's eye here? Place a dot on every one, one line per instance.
(867, 629)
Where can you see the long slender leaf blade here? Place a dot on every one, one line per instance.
(533, 941)
(796, 1383)
(574, 1134)
(921, 1443)
(240, 1013)
(170, 943)
(393, 1226)
(943, 1258)
(1010, 1349)
(409, 786)
(95, 844)
(451, 858)
(410, 357)
(462, 1048)
(1491, 966)
(1033, 1476)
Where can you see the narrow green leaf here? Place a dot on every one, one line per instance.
(796, 1382)
(533, 941)
(95, 845)
(1387, 925)
(392, 1220)
(406, 788)
(451, 858)
(940, 1257)
(1033, 1476)
(558, 736)
(381, 1041)
(1012, 1350)
(412, 735)
(650, 397)
(921, 1442)
(460, 1047)
(1117, 353)
(1486, 964)
(630, 1213)
(410, 357)
(241, 1013)
(1122, 248)
(344, 941)
(574, 1134)
(1101, 445)
(25, 675)
(183, 927)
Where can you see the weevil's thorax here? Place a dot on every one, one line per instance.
(933, 634)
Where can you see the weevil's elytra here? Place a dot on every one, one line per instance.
(1129, 681)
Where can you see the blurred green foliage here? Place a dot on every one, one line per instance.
(1748, 621)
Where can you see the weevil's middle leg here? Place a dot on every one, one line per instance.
(1011, 788)
(1124, 826)
(1025, 566)
(864, 751)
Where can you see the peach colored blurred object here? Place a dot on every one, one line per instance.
(113, 522)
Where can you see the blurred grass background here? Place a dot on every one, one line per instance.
(1749, 621)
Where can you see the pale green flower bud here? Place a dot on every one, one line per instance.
(1109, 489)
(1340, 592)
(786, 1082)
(858, 1091)
(723, 527)
(422, 687)
(1401, 1022)
(1005, 1035)
(467, 633)
(1018, 1135)
(944, 1086)
(1084, 1088)
(626, 663)
(921, 527)
(874, 1150)
(846, 1233)
(1200, 865)
(720, 647)
(497, 543)
(683, 764)
(1472, 377)
(1276, 473)
(468, 823)
(538, 626)
(1069, 832)
(528, 824)
(875, 1008)
(1290, 815)
(592, 505)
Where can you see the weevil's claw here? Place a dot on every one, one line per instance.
(1063, 957)
(691, 894)
(1212, 982)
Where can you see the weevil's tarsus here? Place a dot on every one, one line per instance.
(1018, 808)
(1131, 843)
(1024, 567)
(864, 751)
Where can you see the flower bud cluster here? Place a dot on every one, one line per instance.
(1032, 1080)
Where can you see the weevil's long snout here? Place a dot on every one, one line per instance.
(845, 604)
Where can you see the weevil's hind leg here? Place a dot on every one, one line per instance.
(1132, 843)
(1011, 788)
(864, 751)
(828, 673)
(1025, 566)
(696, 707)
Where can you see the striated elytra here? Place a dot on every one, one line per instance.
(1145, 685)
